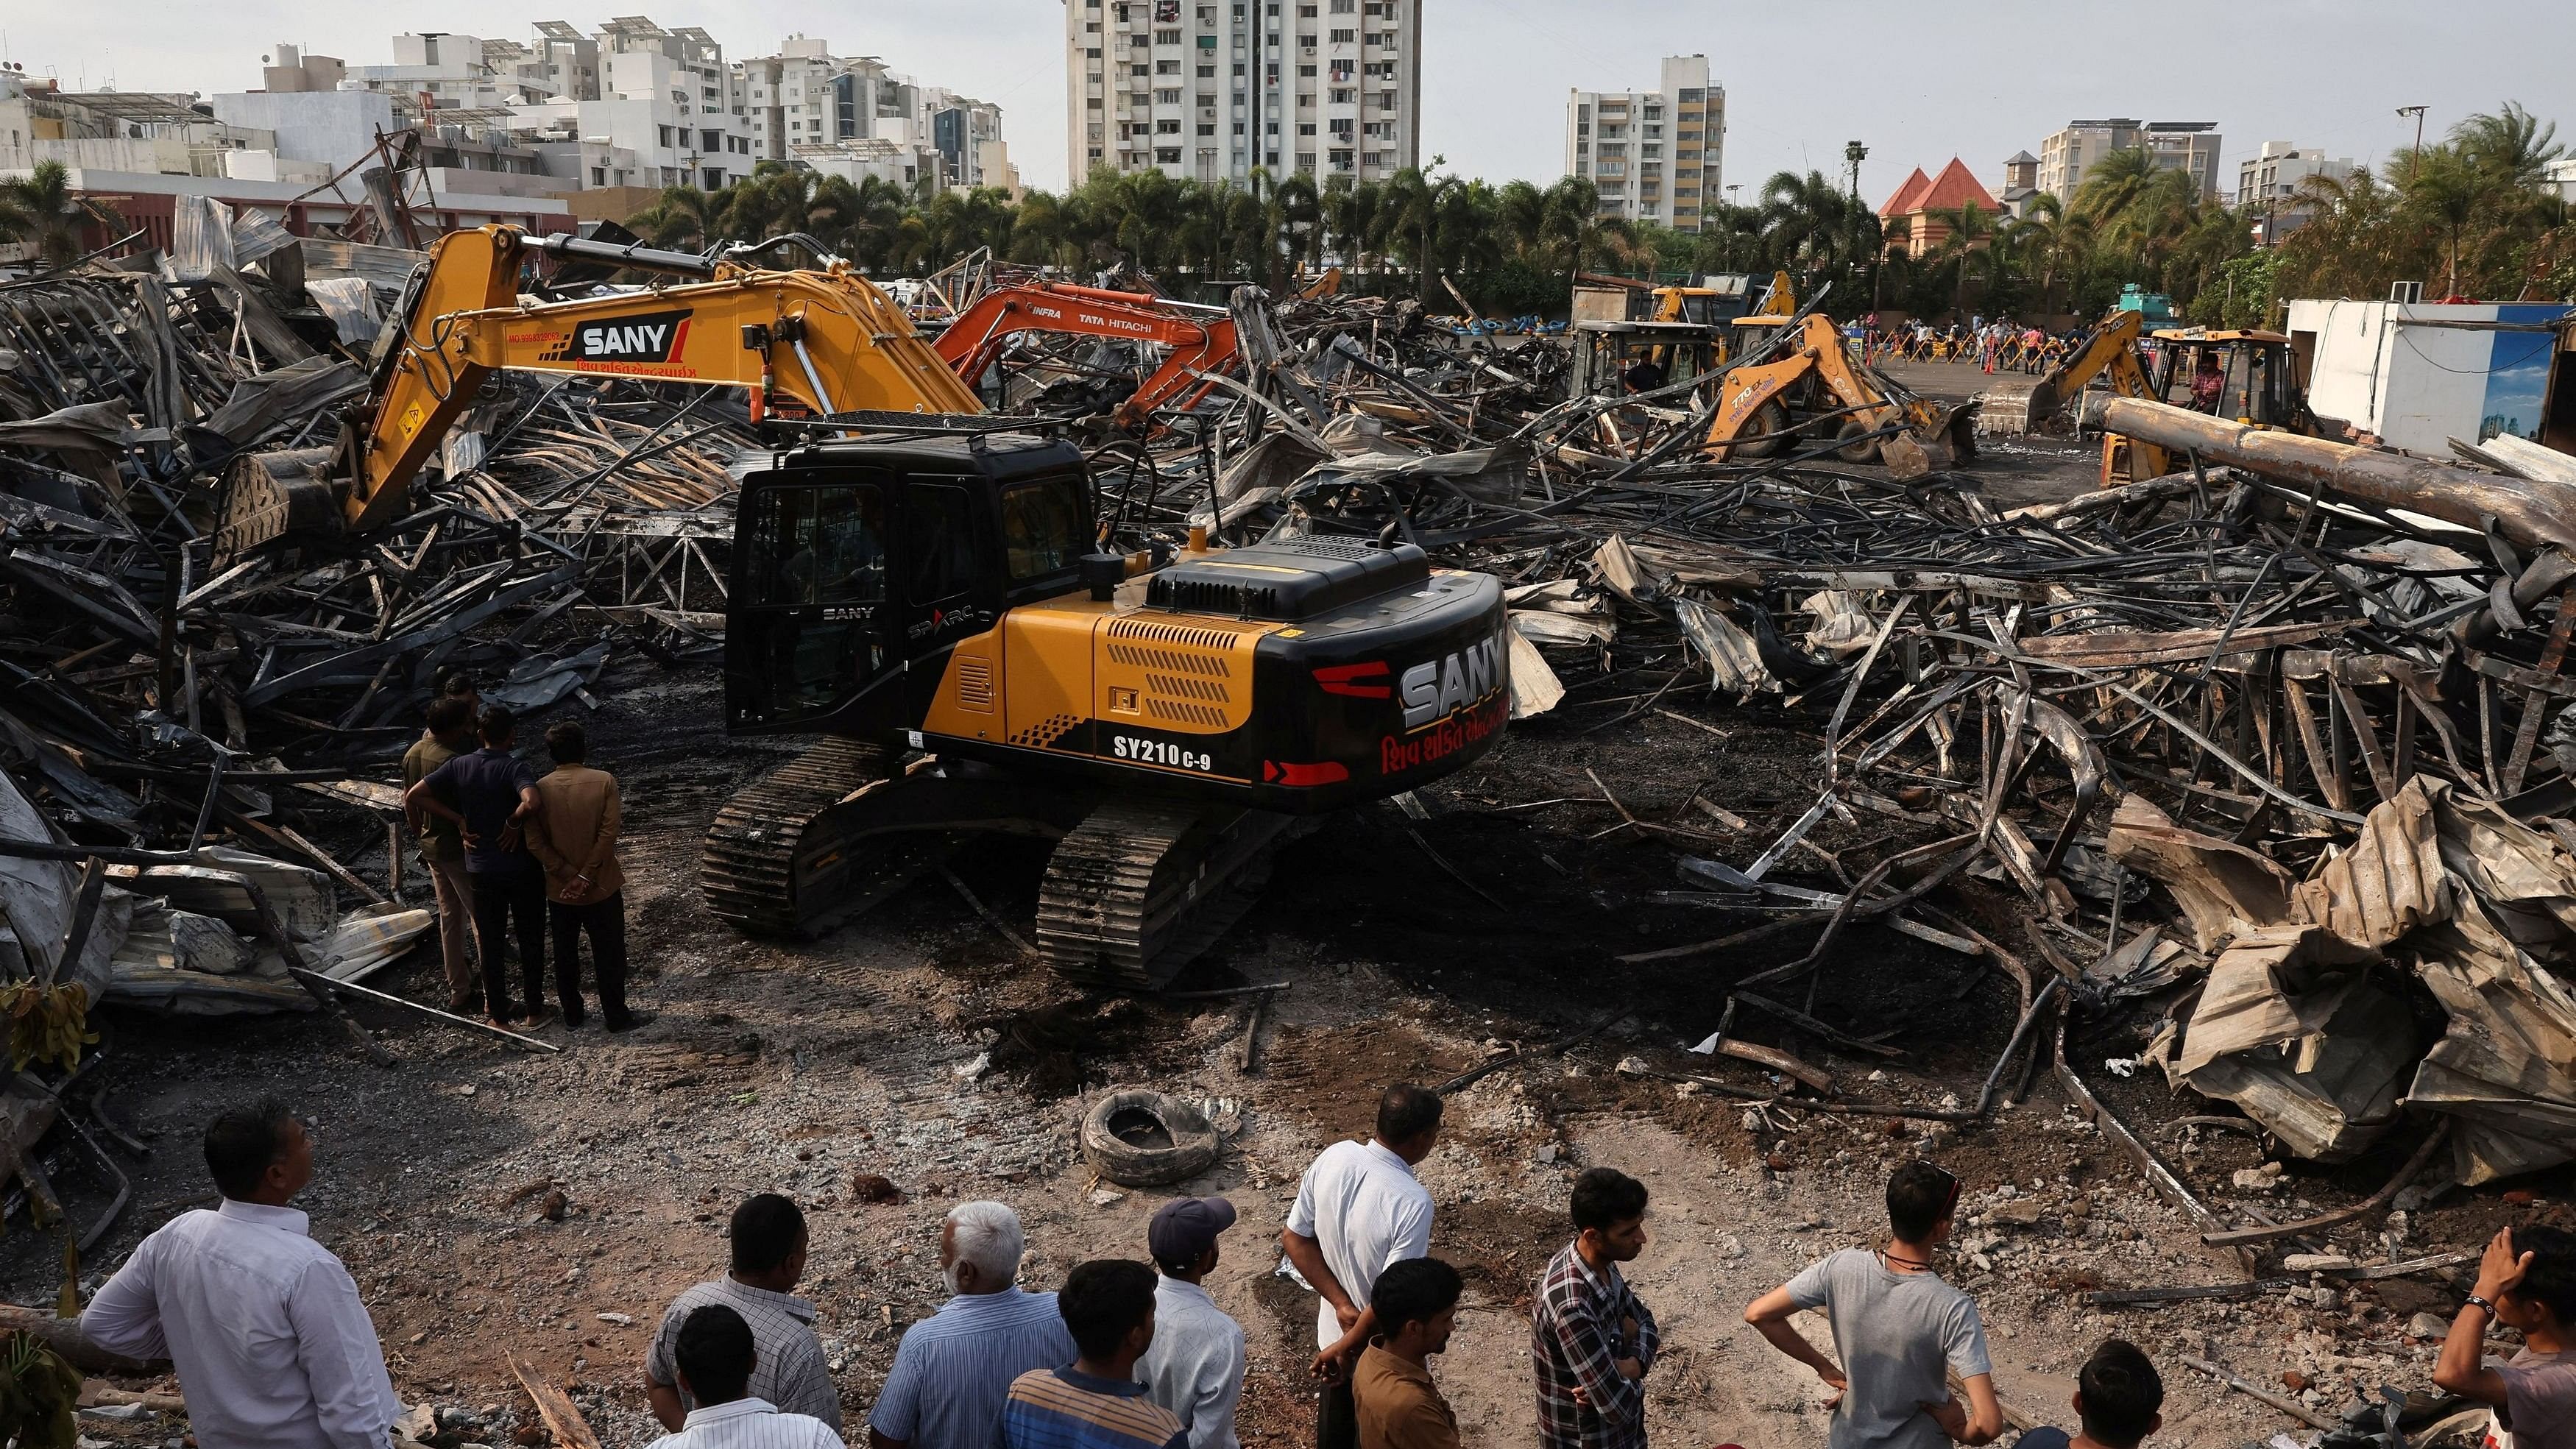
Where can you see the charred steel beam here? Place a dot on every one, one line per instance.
(2530, 514)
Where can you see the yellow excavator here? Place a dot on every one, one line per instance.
(936, 594)
(1804, 380)
(2253, 383)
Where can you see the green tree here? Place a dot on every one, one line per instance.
(39, 209)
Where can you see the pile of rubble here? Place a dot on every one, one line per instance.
(2325, 724)
(2274, 759)
(175, 721)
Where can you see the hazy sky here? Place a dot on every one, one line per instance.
(1916, 82)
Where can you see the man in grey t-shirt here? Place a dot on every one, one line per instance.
(1897, 1327)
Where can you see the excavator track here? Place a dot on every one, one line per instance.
(1139, 889)
(776, 862)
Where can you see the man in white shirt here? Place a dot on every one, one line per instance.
(273, 1348)
(1359, 1208)
(1194, 1367)
(714, 1358)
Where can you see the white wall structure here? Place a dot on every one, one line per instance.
(2418, 375)
(325, 128)
(1653, 155)
(1208, 90)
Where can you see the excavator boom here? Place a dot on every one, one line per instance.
(827, 342)
(1196, 340)
(1753, 410)
(2109, 351)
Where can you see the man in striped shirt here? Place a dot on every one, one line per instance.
(1095, 1402)
(715, 1360)
(1591, 1339)
(954, 1368)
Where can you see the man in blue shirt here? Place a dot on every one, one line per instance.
(954, 1369)
(490, 794)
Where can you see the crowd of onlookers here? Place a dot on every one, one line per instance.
(274, 1349)
(1997, 344)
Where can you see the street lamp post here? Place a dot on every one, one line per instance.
(1855, 153)
(2418, 113)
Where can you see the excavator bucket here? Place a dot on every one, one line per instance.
(1939, 441)
(1909, 457)
(274, 495)
(2015, 409)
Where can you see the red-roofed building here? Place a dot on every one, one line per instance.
(1905, 195)
(1921, 208)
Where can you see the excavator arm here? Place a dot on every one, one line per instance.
(1753, 413)
(1196, 342)
(1750, 402)
(825, 342)
(2109, 351)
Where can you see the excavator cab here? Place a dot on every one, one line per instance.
(856, 564)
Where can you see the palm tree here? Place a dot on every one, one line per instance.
(1730, 239)
(2444, 187)
(2513, 147)
(1806, 217)
(1575, 222)
(39, 208)
(2113, 183)
(1520, 214)
(684, 217)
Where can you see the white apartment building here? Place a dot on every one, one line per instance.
(2189, 146)
(1653, 155)
(434, 70)
(806, 96)
(1207, 90)
(636, 105)
(670, 111)
(2560, 176)
(2267, 186)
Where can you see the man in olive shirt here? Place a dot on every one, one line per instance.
(450, 733)
(1392, 1396)
(576, 840)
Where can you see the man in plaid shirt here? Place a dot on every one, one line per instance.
(1591, 1340)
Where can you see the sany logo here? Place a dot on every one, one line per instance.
(650, 338)
(1430, 690)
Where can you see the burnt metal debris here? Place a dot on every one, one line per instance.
(2270, 752)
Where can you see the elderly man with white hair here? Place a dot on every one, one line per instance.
(954, 1369)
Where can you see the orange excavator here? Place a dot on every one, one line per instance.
(1196, 339)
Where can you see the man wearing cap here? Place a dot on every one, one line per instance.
(1195, 1365)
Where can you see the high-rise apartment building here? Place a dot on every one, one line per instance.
(1653, 155)
(2270, 187)
(2188, 146)
(1207, 90)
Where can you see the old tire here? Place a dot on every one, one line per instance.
(1853, 443)
(1138, 1138)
